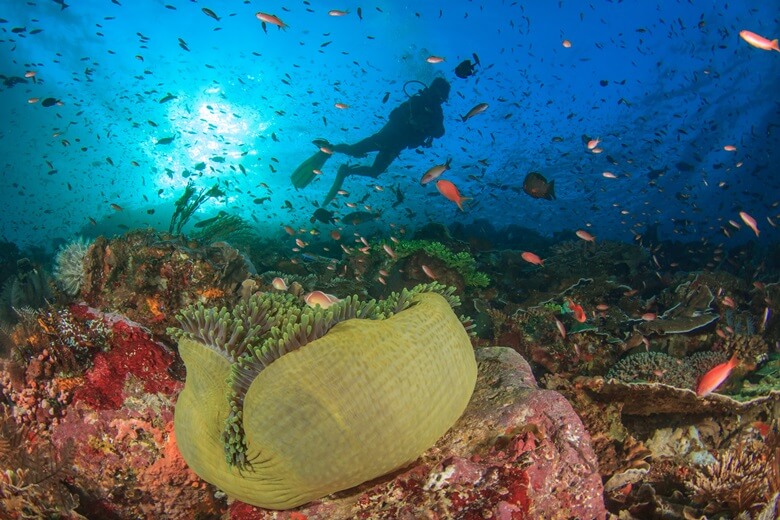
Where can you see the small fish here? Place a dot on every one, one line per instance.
(165, 140)
(389, 251)
(341, 106)
(167, 97)
(359, 217)
(320, 298)
(532, 258)
(566, 44)
(579, 313)
(649, 316)
(337, 12)
(749, 221)
(279, 284)
(759, 41)
(50, 102)
(561, 328)
(730, 148)
(450, 192)
(434, 59)
(593, 143)
(537, 186)
(478, 109)
(116, 207)
(428, 272)
(584, 235)
(272, 19)
(465, 69)
(322, 215)
(435, 172)
(716, 376)
(211, 14)
(335, 235)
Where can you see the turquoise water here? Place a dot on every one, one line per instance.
(662, 86)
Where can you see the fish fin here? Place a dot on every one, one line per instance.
(304, 174)
(551, 193)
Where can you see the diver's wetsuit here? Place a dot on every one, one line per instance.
(411, 125)
(414, 123)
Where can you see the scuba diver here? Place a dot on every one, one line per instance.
(415, 122)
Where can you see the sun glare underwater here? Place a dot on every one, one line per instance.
(596, 184)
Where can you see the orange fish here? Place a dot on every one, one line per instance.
(478, 109)
(272, 19)
(584, 235)
(320, 298)
(730, 148)
(279, 284)
(579, 314)
(593, 143)
(532, 258)
(434, 59)
(759, 41)
(749, 221)
(716, 376)
(566, 44)
(341, 106)
(428, 272)
(435, 172)
(389, 251)
(451, 192)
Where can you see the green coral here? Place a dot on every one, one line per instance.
(462, 262)
(267, 326)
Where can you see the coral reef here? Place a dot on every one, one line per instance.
(149, 277)
(69, 266)
(657, 367)
(301, 423)
(439, 259)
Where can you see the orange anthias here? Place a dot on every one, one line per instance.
(716, 376)
(450, 192)
(579, 314)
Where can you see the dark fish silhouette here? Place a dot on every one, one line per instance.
(465, 68)
(537, 186)
(323, 215)
(359, 217)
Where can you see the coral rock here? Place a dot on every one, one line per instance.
(517, 452)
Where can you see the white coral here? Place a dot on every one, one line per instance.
(68, 266)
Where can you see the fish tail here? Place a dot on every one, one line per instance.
(733, 361)
(552, 190)
(775, 45)
(463, 118)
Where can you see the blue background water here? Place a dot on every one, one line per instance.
(257, 99)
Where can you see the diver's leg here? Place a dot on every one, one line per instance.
(382, 161)
(359, 149)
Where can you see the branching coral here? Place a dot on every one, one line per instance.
(69, 266)
(739, 480)
(277, 425)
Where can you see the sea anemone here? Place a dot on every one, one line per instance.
(285, 403)
(68, 266)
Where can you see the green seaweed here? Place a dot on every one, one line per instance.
(463, 262)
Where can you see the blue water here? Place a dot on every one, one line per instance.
(664, 86)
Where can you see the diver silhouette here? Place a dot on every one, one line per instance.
(415, 122)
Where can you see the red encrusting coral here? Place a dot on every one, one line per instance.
(132, 352)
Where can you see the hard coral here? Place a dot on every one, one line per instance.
(303, 423)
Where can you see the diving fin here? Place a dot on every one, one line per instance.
(304, 174)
